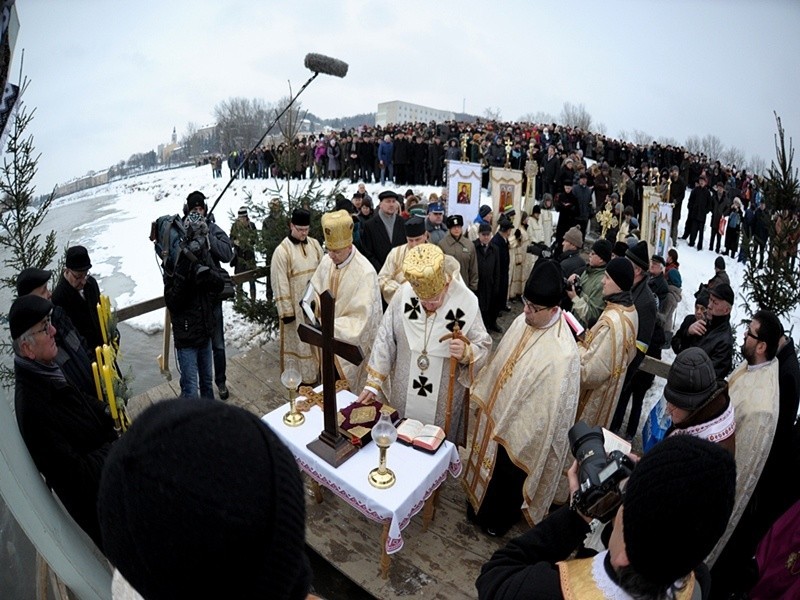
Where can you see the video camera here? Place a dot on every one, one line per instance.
(576, 287)
(599, 474)
(539, 249)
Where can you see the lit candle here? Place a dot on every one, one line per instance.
(112, 401)
(97, 387)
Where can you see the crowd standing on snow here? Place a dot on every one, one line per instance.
(404, 273)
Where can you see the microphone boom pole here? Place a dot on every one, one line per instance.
(317, 63)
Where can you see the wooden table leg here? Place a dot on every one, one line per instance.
(429, 510)
(385, 559)
(317, 490)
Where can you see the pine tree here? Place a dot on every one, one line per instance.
(20, 219)
(776, 285)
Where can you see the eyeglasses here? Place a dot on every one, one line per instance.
(79, 274)
(749, 333)
(532, 307)
(45, 328)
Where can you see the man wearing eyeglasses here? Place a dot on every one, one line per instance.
(77, 293)
(66, 432)
(754, 390)
(526, 398)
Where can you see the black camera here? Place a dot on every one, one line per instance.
(539, 249)
(599, 474)
(573, 287)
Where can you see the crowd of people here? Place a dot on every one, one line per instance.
(419, 291)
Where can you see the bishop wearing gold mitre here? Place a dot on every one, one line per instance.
(409, 366)
(293, 263)
(352, 280)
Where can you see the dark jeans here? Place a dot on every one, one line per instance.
(218, 345)
(195, 363)
(696, 227)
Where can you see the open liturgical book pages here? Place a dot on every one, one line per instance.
(420, 436)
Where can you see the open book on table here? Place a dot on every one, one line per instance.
(416, 434)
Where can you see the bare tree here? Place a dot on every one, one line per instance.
(640, 137)
(712, 146)
(732, 156)
(693, 144)
(756, 165)
(623, 134)
(538, 117)
(600, 128)
(576, 115)
(492, 114)
(241, 122)
(290, 123)
(667, 141)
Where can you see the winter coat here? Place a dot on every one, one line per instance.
(74, 356)
(375, 240)
(504, 260)
(571, 262)
(386, 152)
(82, 311)
(402, 151)
(488, 270)
(334, 153)
(68, 435)
(699, 203)
(720, 207)
(717, 342)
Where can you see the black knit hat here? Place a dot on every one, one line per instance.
(201, 499)
(639, 255)
(684, 483)
(545, 285)
(621, 271)
(415, 227)
(195, 199)
(719, 263)
(484, 210)
(77, 259)
(26, 311)
(691, 380)
(31, 278)
(602, 248)
(301, 217)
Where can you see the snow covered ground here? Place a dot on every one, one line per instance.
(118, 244)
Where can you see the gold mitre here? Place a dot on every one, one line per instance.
(424, 270)
(337, 227)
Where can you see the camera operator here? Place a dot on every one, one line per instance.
(190, 294)
(586, 291)
(675, 506)
(221, 251)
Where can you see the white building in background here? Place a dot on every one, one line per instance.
(398, 111)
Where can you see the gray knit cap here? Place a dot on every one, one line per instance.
(691, 380)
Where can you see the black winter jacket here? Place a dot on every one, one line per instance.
(189, 297)
(717, 342)
(82, 312)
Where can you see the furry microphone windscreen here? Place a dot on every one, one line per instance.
(319, 63)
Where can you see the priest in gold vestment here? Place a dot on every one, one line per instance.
(293, 263)
(392, 276)
(410, 362)
(352, 280)
(753, 388)
(526, 400)
(517, 268)
(608, 347)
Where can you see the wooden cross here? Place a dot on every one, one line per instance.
(331, 445)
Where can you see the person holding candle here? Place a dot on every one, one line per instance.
(78, 293)
(67, 433)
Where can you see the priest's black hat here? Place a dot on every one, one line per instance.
(620, 248)
(31, 278)
(301, 217)
(415, 227)
(621, 272)
(639, 255)
(545, 285)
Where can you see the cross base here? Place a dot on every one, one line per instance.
(334, 452)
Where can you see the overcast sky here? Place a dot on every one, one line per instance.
(109, 79)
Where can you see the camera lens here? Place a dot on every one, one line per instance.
(585, 441)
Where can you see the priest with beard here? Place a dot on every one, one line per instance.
(526, 400)
(410, 362)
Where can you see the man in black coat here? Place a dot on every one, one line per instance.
(488, 272)
(436, 162)
(67, 433)
(402, 158)
(78, 294)
(570, 259)
(699, 206)
(500, 242)
(550, 170)
(712, 333)
(383, 231)
(677, 191)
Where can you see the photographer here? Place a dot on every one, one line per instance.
(586, 291)
(675, 506)
(190, 294)
(221, 251)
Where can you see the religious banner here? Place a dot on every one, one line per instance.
(463, 189)
(653, 227)
(506, 186)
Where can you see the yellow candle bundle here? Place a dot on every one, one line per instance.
(97, 387)
(112, 401)
(102, 319)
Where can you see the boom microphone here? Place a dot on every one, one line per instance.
(319, 63)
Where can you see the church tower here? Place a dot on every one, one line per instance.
(174, 136)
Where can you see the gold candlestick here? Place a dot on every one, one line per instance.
(291, 378)
(384, 434)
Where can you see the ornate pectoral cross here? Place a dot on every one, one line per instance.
(331, 445)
